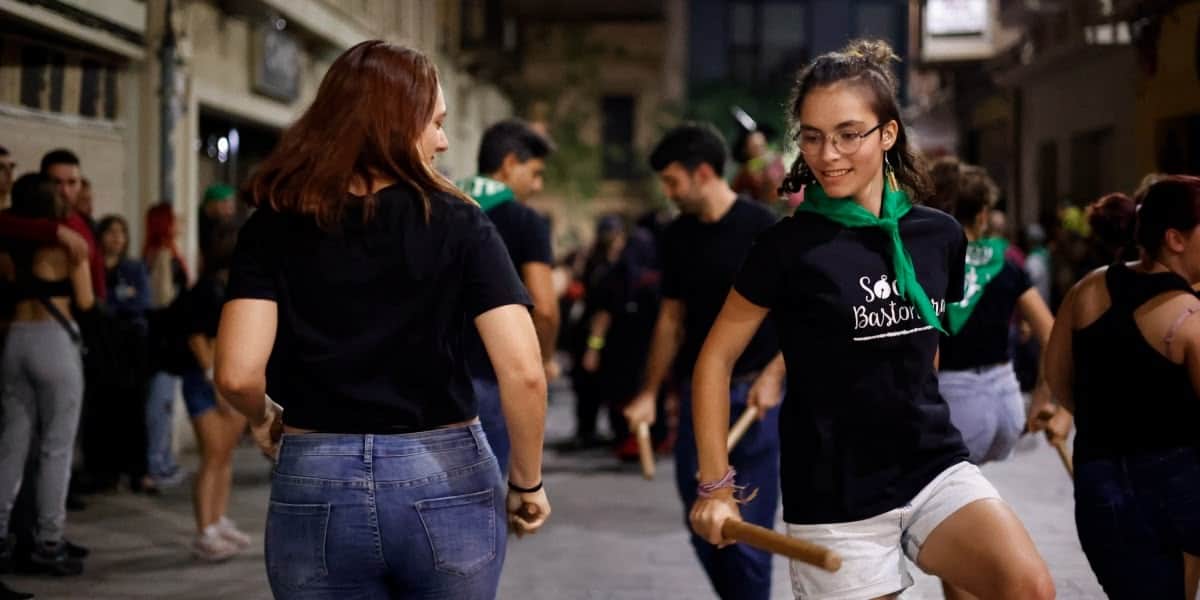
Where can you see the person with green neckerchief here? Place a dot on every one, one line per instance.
(511, 163)
(858, 283)
(976, 375)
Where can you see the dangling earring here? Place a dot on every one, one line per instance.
(890, 173)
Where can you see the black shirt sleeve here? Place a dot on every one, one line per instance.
(538, 249)
(760, 278)
(489, 279)
(956, 268)
(1020, 278)
(254, 270)
(204, 309)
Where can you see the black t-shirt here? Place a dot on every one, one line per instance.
(863, 427)
(204, 305)
(700, 262)
(526, 235)
(372, 318)
(983, 339)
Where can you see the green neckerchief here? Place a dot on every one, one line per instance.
(985, 259)
(848, 213)
(488, 192)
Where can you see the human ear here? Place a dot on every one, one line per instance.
(890, 131)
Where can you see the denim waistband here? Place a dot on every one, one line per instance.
(383, 445)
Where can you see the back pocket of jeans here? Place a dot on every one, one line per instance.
(296, 543)
(461, 530)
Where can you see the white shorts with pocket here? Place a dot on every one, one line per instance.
(870, 549)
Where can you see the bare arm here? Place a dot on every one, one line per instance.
(767, 391)
(731, 333)
(539, 280)
(202, 349)
(601, 322)
(1034, 310)
(81, 282)
(243, 347)
(668, 335)
(1057, 360)
(512, 345)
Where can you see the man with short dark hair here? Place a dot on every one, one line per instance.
(61, 166)
(34, 230)
(511, 166)
(701, 253)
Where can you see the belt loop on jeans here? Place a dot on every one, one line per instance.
(368, 448)
(481, 445)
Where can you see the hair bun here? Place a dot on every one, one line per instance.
(877, 52)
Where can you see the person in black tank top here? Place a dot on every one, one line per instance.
(1124, 357)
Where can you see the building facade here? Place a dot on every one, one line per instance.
(88, 75)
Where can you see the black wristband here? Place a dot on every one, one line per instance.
(521, 490)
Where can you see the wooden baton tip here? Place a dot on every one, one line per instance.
(741, 426)
(645, 450)
(1065, 455)
(778, 543)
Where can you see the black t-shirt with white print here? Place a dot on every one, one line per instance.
(983, 339)
(863, 427)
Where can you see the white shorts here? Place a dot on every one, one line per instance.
(870, 549)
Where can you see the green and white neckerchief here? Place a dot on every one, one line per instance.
(488, 192)
(985, 260)
(848, 213)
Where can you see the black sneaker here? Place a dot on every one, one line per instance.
(52, 558)
(75, 550)
(7, 593)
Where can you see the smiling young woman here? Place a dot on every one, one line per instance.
(871, 465)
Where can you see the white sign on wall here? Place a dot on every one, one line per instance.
(956, 17)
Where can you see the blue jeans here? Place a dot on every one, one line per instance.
(739, 571)
(160, 412)
(487, 394)
(418, 515)
(1136, 516)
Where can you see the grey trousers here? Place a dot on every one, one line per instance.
(42, 376)
(987, 408)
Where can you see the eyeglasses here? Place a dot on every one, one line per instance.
(846, 141)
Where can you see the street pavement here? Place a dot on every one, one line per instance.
(612, 535)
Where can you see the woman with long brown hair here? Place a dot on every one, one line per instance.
(355, 280)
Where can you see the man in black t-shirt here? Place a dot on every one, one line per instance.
(701, 253)
(511, 164)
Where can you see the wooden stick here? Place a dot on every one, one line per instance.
(777, 543)
(645, 450)
(1064, 454)
(739, 428)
